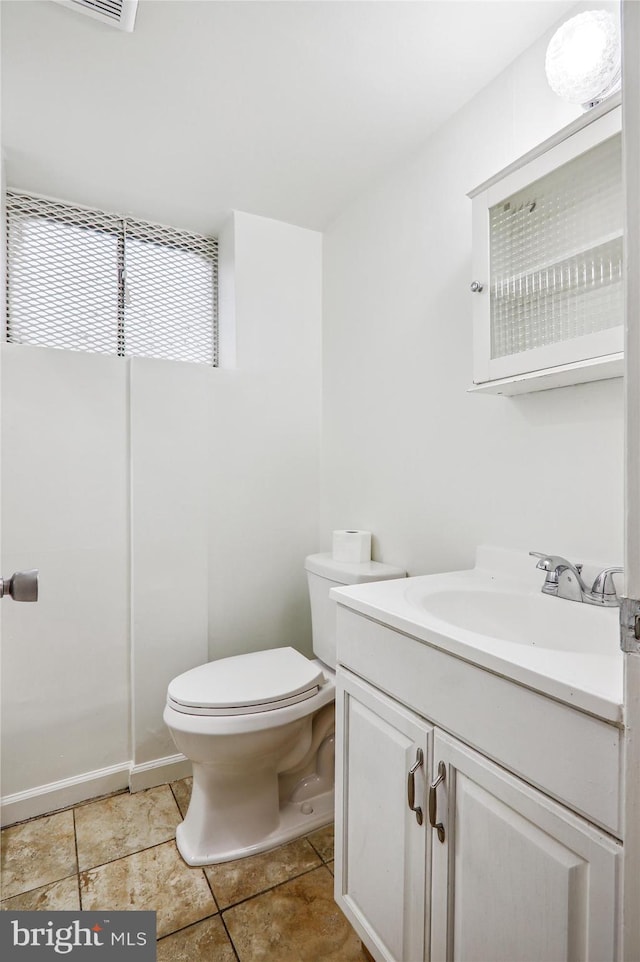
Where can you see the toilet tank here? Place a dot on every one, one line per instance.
(323, 573)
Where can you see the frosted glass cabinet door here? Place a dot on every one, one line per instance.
(518, 878)
(547, 257)
(381, 863)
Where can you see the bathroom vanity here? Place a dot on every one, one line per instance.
(478, 789)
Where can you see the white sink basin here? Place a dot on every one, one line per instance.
(496, 616)
(521, 618)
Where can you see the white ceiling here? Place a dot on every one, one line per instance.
(285, 109)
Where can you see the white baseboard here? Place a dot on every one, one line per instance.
(157, 772)
(45, 799)
(68, 791)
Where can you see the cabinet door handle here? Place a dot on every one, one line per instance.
(411, 786)
(433, 801)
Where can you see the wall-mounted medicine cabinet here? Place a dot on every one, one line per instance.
(547, 263)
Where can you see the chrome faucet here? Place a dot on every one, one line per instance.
(564, 580)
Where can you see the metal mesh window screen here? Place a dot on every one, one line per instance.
(84, 280)
(62, 286)
(556, 255)
(165, 280)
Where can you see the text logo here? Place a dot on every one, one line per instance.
(78, 935)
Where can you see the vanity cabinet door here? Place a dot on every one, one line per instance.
(382, 850)
(517, 878)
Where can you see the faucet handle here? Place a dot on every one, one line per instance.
(604, 586)
(545, 562)
(551, 563)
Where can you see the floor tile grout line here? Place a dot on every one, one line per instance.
(213, 894)
(259, 894)
(137, 851)
(318, 852)
(231, 942)
(44, 884)
(190, 925)
(75, 838)
(175, 798)
(271, 888)
(217, 913)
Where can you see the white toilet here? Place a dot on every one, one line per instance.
(259, 729)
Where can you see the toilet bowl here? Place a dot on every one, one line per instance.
(259, 731)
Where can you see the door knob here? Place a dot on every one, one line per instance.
(22, 585)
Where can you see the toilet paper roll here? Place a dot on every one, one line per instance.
(352, 547)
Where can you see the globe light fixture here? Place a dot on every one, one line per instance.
(583, 58)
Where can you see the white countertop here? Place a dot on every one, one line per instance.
(567, 650)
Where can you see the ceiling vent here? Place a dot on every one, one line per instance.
(117, 13)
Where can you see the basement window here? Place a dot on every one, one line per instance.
(86, 280)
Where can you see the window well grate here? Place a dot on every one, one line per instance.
(87, 280)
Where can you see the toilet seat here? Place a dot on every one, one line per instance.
(244, 684)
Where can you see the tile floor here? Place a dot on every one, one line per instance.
(119, 853)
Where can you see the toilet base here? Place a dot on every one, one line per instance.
(296, 819)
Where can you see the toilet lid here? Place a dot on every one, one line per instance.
(260, 681)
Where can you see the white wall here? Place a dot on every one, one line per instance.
(169, 508)
(169, 437)
(430, 469)
(65, 660)
(264, 431)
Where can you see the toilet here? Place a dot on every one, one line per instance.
(259, 730)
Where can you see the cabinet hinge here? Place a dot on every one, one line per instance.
(630, 625)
